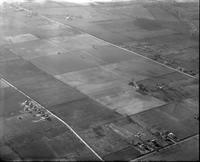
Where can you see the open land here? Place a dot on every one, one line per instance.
(112, 78)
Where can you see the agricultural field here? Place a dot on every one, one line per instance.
(101, 81)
